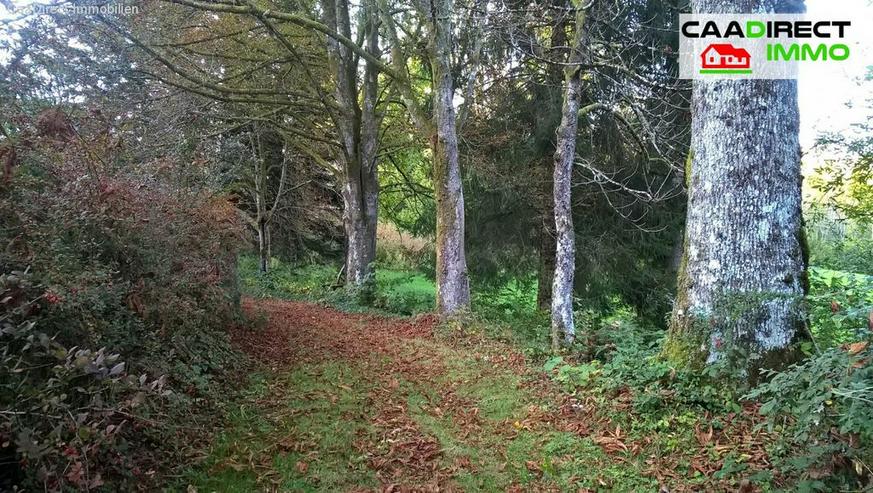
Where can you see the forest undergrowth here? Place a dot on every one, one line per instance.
(365, 402)
(347, 400)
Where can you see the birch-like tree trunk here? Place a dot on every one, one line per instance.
(743, 278)
(263, 246)
(453, 286)
(565, 153)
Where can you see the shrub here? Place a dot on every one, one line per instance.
(824, 409)
(840, 306)
(616, 353)
(115, 288)
(65, 409)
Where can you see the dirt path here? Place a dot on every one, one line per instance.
(356, 402)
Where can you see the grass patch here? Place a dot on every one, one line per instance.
(398, 292)
(294, 432)
(404, 292)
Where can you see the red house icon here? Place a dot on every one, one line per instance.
(725, 56)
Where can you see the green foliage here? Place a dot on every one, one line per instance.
(837, 242)
(406, 188)
(634, 359)
(306, 281)
(398, 251)
(62, 406)
(846, 183)
(840, 305)
(618, 354)
(823, 413)
(508, 312)
(572, 376)
(404, 293)
(399, 292)
(818, 410)
(507, 301)
(115, 288)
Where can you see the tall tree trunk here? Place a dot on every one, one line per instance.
(358, 131)
(565, 250)
(361, 201)
(360, 234)
(263, 247)
(565, 152)
(368, 149)
(261, 158)
(453, 286)
(742, 279)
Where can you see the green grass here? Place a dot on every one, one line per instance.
(561, 459)
(616, 355)
(404, 292)
(312, 415)
(316, 413)
(327, 408)
(398, 292)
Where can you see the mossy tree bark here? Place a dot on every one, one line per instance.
(741, 281)
(453, 285)
(357, 125)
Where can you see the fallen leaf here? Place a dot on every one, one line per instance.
(533, 467)
(856, 347)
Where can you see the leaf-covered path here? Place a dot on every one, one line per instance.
(357, 402)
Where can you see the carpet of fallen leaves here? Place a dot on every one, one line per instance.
(404, 457)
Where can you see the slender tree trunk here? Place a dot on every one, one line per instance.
(742, 279)
(453, 286)
(261, 168)
(565, 152)
(368, 149)
(565, 250)
(263, 247)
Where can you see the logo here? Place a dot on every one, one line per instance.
(767, 46)
(725, 58)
